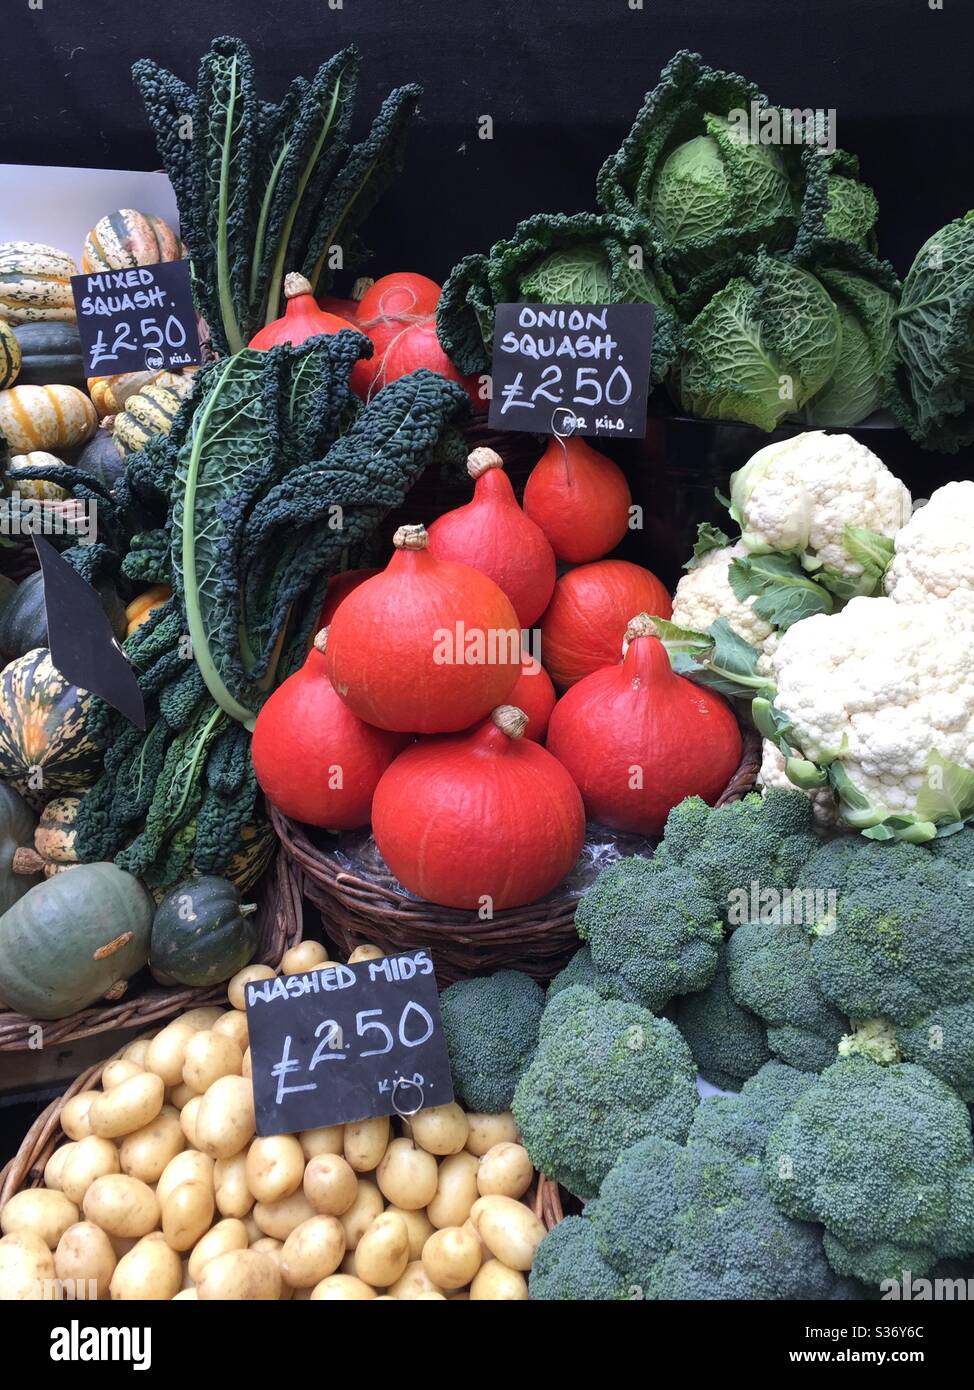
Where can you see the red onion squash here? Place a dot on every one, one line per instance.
(580, 499)
(637, 738)
(535, 695)
(588, 615)
(486, 819)
(428, 646)
(314, 759)
(302, 319)
(403, 295)
(493, 534)
(346, 308)
(403, 346)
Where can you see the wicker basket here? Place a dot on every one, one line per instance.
(279, 925)
(26, 1168)
(539, 939)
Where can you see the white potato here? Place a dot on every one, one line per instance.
(187, 1214)
(225, 1121)
(116, 1071)
(54, 1167)
(365, 952)
(330, 1139)
(329, 1184)
(275, 1167)
(135, 1051)
(90, 1158)
(305, 956)
(278, 1219)
(509, 1229)
(204, 1017)
(128, 1106)
(451, 1257)
(236, 987)
(365, 1143)
(187, 1119)
(41, 1213)
(312, 1251)
(456, 1190)
(494, 1282)
(74, 1114)
(167, 1049)
(487, 1130)
(207, 1057)
(247, 1275)
(233, 1196)
(187, 1166)
(233, 1024)
(122, 1206)
(382, 1253)
(147, 1151)
(442, 1129)
(413, 1283)
(419, 1226)
(367, 1206)
(505, 1171)
(150, 1272)
(84, 1255)
(407, 1176)
(229, 1234)
(26, 1268)
(341, 1288)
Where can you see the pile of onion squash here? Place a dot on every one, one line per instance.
(427, 705)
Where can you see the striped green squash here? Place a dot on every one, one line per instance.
(150, 411)
(10, 355)
(35, 282)
(46, 746)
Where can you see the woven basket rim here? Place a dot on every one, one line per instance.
(279, 922)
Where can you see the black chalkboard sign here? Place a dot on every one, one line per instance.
(572, 368)
(139, 319)
(346, 1043)
(82, 644)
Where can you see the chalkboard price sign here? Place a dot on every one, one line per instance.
(138, 319)
(347, 1043)
(572, 368)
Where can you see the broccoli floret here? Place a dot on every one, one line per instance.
(580, 970)
(567, 1266)
(770, 973)
(491, 1028)
(957, 850)
(943, 1042)
(883, 1157)
(605, 1074)
(654, 931)
(697, 1222)
(900, 940)
(742, 1124)
(760, 839)
(728, 1042)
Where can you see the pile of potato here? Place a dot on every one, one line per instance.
(162, 1190)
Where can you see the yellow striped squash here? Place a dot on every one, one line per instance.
(35, 282)
(42, 490)
(110, 393)
(9, 355)
(126, 238)
(151, 411)
(46, 417)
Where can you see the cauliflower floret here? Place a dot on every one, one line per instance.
(797, 497)
(881, 685)
(933, 556)
(773, 774)
(704, 594)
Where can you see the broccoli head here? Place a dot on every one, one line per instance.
(762, 840)
(697, 1222)
(654, 930)
(728, 1042)
(491, 1029)
(605, 1074)
(943, 1042)
(898, 941)
(882, 1156)
(567, 1266)
(770, 973)
(742, 1124)
(580, 970)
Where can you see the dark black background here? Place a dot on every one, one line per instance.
(562, 80)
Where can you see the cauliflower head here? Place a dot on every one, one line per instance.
(704, 594)
(798, 497)
(882, 694)
(933, 554)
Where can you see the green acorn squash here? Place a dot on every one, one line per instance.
(201, 934)
(50, 355)
(72, 940)
(46, 745)
(101, 459)
(18, 872)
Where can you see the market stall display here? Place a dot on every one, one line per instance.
(414, 686)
